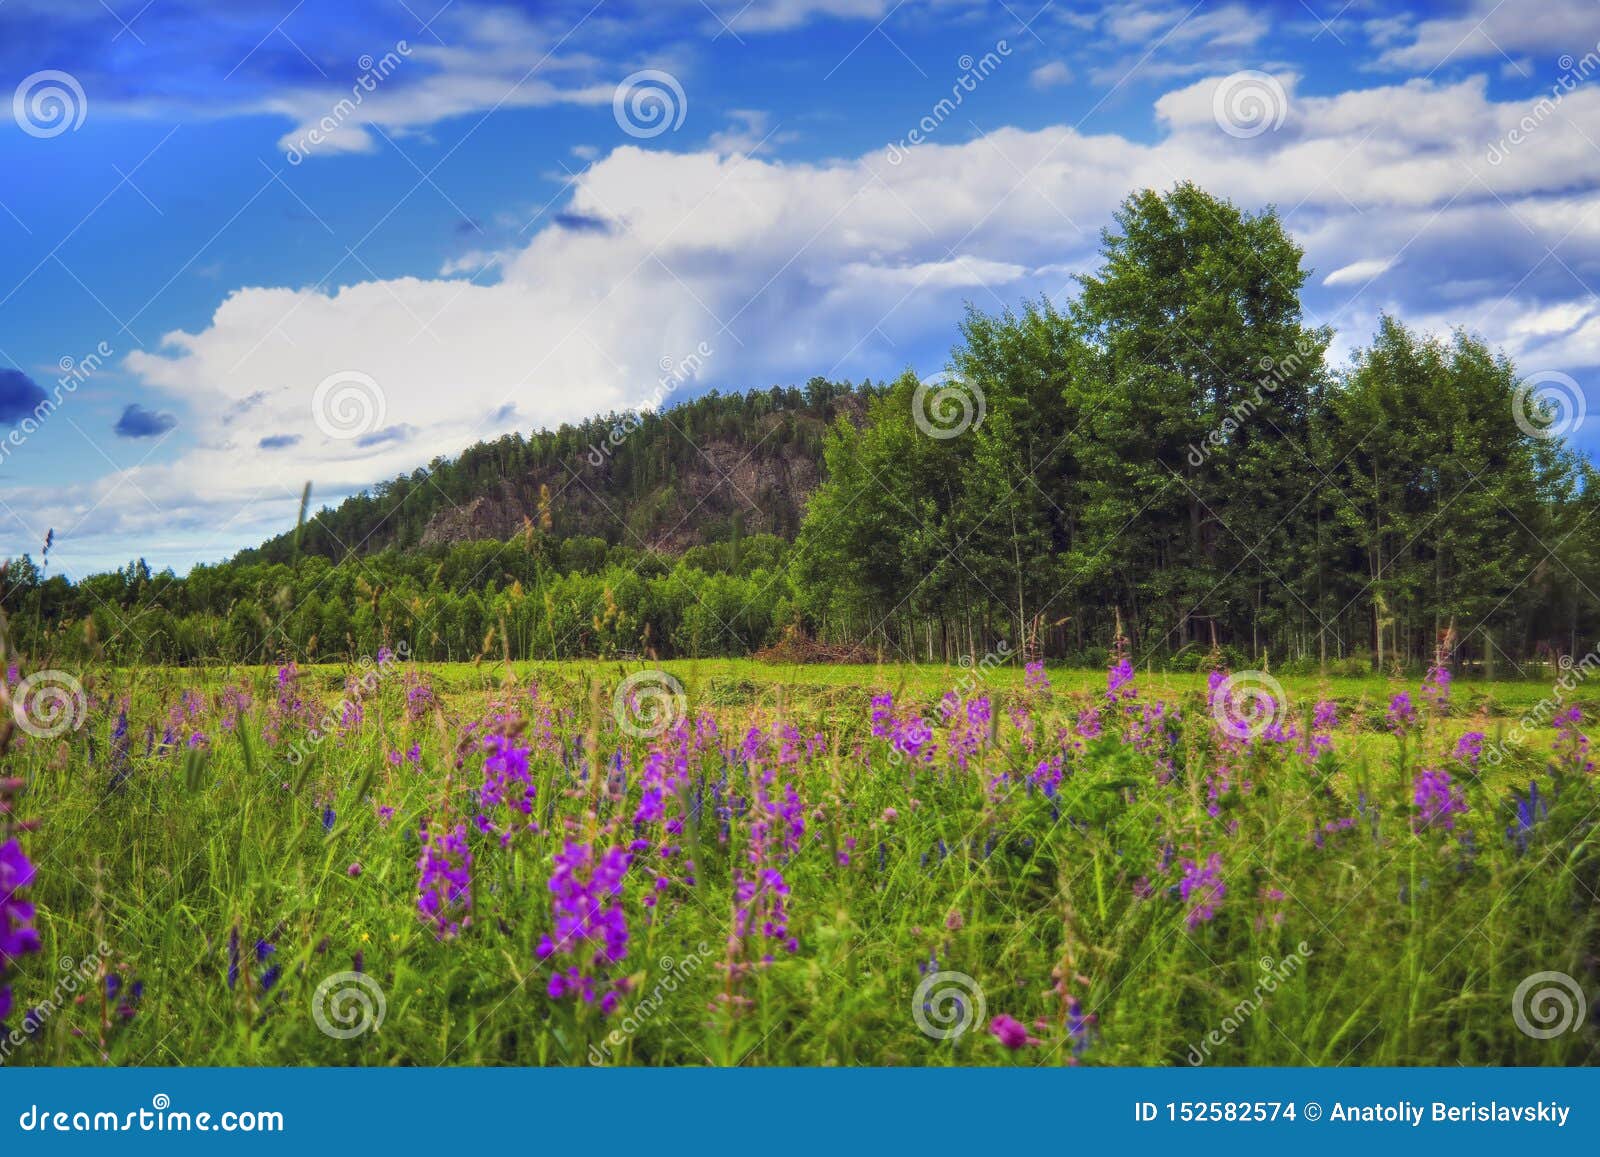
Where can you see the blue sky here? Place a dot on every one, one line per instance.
(331, 242)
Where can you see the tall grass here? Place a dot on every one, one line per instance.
(929, 891)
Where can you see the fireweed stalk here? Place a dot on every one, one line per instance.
(18, 935)
(776, 830)
(507, 787)
(591, 928)
(661, 820)
(444, 885)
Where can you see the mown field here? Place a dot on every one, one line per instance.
(729, 863)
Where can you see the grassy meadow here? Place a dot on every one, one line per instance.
(728, 863)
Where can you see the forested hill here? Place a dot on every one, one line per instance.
(699, 472)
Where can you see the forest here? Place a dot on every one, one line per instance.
(1166, 450)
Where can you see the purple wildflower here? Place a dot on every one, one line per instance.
(1119, 681)
(1047, 775)
(1436, 688)
(264, 952)
(507, 782)
(444, 887)
(1011, 1032)
(1215, 683)
(1437, 799)
(1202, 888)
(1402, 713)
(1080, 1026)
(18, 936)
(1530, 812)
(591, 929)
(1572, 745)
(1034, 679)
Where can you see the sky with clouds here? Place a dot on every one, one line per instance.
(248, 247)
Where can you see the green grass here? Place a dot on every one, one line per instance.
(1384, 945)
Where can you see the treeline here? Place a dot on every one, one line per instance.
(1169, 451)
(536, 596)
(1172, 448)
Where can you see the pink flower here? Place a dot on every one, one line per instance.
(1011, 1032)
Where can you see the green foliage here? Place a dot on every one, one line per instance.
(1384, 944)
(1173, 450)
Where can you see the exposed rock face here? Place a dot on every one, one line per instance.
(763, 484)
(702, 472)
(498, 515)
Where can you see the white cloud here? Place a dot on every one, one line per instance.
(498, 58)
(1359, 272)
(1160, 41)
(749, 130)
(851, 267)
(780, 15)
(1228, 26)
(1050, 75)
(1492, 28)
